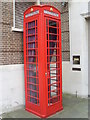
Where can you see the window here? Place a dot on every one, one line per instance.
(18, 13)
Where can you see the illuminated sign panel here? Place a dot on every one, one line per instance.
(31, 14)
(51, 13)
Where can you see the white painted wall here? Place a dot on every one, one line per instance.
(88, 55)
(11, 87)
(73, 80)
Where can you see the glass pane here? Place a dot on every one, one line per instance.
(54, 59)
(52, 23)
(33, 100)
(31, 66)
(31, 52)
(32, 31)
(52, 37)
(53, 30)
(31, 38)
(32, 63)
(53, 64)
(32, 87)
(31, 24)
(31, 45)
(32, 80)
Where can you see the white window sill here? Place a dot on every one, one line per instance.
(16, 29)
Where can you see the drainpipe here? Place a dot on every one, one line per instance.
(38, 2)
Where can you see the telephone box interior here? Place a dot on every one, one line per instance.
(42, 60)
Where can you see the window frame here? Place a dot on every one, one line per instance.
(14, 27)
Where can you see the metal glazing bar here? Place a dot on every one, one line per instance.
(31, 83)
(53, 76)
(32, 49)
(52, 26)
(33, 90)
(54, 97)
(55, 90)
(32, 97)
(32, 76)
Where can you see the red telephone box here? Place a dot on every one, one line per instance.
(42, 60)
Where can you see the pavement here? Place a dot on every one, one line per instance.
(73, 107)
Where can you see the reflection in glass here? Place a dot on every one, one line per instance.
(52, 37)
(53, 30)
(52, 23)
(31, 38)
(52, 59)
(32, 31)
(31, 24)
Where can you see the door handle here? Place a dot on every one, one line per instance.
(46, 74)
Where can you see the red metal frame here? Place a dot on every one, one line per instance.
(42, 60)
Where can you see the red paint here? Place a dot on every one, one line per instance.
(42, 61)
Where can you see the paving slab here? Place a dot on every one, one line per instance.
(73, 107)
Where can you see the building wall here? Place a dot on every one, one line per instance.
(0, 26)
(77, 81)
(0, 46)
(11, 51)
(11, 87)
(88, 55)
(88, 20)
